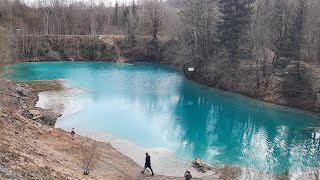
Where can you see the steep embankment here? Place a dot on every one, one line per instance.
(79, 48)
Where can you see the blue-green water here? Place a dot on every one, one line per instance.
(154, 106)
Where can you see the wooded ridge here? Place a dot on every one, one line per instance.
(266, 49)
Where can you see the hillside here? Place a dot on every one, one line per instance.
(30, 149)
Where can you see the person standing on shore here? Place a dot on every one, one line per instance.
(147, 164)
(72, 133)
(187, 175)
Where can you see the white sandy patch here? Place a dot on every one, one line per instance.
(64, 101)
(163, 161)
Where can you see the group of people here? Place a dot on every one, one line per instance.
(147, 164)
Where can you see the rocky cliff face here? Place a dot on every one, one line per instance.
(18, 120)
(21, 98)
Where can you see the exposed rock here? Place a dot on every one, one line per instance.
(24, 106)
(71, 59)
(4, 161)
(45, 116)
(201, 166)
(21, 91)
(5, 173)
(4, 115)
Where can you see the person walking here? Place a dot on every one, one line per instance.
(72, 133)
(187, 175)
(147, 164)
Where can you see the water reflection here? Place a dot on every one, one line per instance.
(219, 129)
(154, 106)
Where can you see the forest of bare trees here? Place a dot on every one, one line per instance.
(268, 49)
(58, 17)
(262, 48)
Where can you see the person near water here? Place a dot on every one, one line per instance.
(72, 133)
(147, 164)
(187, 175)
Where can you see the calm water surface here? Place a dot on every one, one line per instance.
(154, 106)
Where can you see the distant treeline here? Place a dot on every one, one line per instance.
(70, 17)
(267, 49)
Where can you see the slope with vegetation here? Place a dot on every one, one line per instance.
(265, 49)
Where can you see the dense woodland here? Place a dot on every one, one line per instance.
(267, 49)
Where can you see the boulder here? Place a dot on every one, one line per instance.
(20, 92)
(21, 89)
(44, 116)
(4, 115)
(4, 161)
(201, 166)
(71, 59)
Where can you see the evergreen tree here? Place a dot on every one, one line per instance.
(134, 9)
(236, 16)
(135, 17)
(125, 18)
(115, 16)
(127, 22)
(134, 24)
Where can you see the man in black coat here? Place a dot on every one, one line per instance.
(147, 164)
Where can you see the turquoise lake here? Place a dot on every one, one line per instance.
(154, 106)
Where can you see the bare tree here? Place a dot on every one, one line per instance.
(5, 46)
(261, 40)
(90, 155)
(153, 14)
